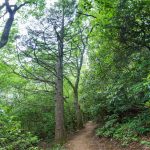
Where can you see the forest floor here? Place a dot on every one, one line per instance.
(85, 139)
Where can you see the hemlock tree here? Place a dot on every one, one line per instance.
(78, 46)
(45, 50)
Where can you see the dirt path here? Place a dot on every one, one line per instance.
(84, 140)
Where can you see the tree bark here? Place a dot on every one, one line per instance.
(78, 110)
(6, 31)
(59, 103)
(76, 93)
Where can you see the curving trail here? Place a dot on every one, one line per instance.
(84, 140)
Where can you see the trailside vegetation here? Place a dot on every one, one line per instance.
(118, 77)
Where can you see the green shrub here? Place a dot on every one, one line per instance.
(129, 130)
(126, 133)
(12, 137)
(146, 143)
(109, 127)
(70, 118)
(36, 114)
(58, 147)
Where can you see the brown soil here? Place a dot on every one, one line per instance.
(85, 139)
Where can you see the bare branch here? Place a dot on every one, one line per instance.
(70, 83)
(88, 15)
(5, 34)
(21, 5)
(2, 6)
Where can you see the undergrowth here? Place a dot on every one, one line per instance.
(127, 131)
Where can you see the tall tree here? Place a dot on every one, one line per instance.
(78, 48)
(45, 48)
(59, 105)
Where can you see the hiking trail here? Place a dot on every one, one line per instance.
(85, 139)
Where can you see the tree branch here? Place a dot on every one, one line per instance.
(88, 15)
(70, 83)
(2, 6)
(5, 34)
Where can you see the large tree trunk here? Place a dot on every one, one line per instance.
(78, 111)
(59, 104)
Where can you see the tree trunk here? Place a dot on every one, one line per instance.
(59, 104)
(78, 111)
(5, 34)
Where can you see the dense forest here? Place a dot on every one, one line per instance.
(64, 63)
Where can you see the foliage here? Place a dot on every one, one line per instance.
(145, 143)
(118, 77)
(70, 118)
(36, 114)
(127, 131)
(11, 134)
(58, 147)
